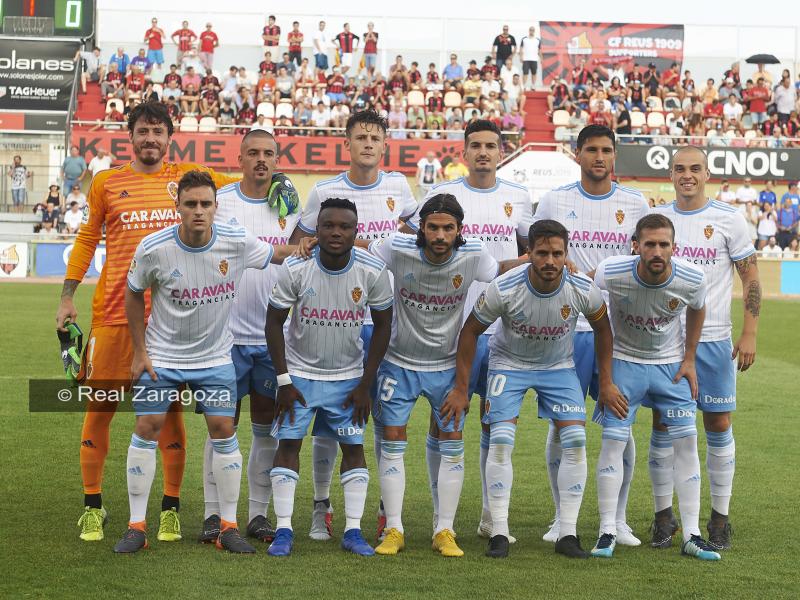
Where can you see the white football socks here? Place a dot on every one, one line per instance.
(393, 481)
(661, 463)
(354, 484)
(141, 469)
(210, 495)
(552, 458)
(433, 458)
(687, 478)
(259, 463)
(500, 474)
(284, 482)
(571, 477)
(609, 476)
(323, 457)
(451, 480)
(227, 465)
(628, 465)
(720, 465)
(484, 453)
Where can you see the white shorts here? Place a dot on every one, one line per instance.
(347, 59)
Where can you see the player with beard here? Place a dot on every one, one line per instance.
(601, 216)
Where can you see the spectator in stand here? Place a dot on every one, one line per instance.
(489, 66)
(77, 196)
(244, 79)
(671, 81)
(173, 109)
(321, 45)
(417, 130)
(490, 86)
(636, 97)
(173, 75)
(455, 130)
(472, 90)
(622, 122)
(141, 61)
(455, 168)
(529, 53)
(398, 82)
(725, 193)
(616, 92)
(767, 225)
(208, 42)
(121, 60)
(792, 251)
(54, 197)
(73, 218)
(635, 74)
(282, 126)
(429, 173)
(340, 112)
(190, 100)
(210, 79)
(559, 94)
(417, 112)
(432, 81)
(651, 81)
(112, 120)
(772, 126)
(397, 122)
(762, 72)
(453, 74)
(710, 92)
(713, 114)
(579, 76)
(209, 101)
(303, 114)
(507, 72)
(262, 124)
(101, 162)
(304, 77)
(93, 69)
(688, 84)
(759, 96)
(245, 117)
(732, 110)
(19, 175)
(398, 66)
(767, 196)
(227, 116)
(73, 169)
(503, 47)
(135, 83)
(267, 64)
(154, 37)
(370, 49)
(516, 93)
(746, 193)
(791, 195)
(473, 68)
(295, 39)
(266, 87)
(771, 249)
(288, 64)
(728, 89)
(171, 91)
(599, 114)
(784, 97)
(513, 119)
(734, 74)
(284, 86)
(335, 89)
(271, 34)
(644, 136)
(321, 118)
(183, 39)
(191, 77)
(50, 217)
(414, 76)
(191, 60)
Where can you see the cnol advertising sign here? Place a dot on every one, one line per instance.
(36, 75)
(733, 163)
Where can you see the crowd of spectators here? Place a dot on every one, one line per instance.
(293, 94)
(648, 107)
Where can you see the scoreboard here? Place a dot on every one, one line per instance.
(43, 18)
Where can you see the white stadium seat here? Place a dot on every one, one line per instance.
(207, 125)
(267, 109)
(188, 125)
(283, 110)
(560, 118)
(637, 118)
(655, 119)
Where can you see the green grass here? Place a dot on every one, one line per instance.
(41, 494)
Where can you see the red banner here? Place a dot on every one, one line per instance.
(564, 44)
(294, 153)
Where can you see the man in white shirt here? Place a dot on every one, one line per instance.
(732, 109)
(73, 218)
(529, 53)
(489, 85)
(76, 195)
(725, 193)
(100, 162)
(321, 117)
(429, 173)
(507, 73)
(746, 193)
(319, 42)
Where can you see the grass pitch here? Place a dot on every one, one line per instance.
(42, 497)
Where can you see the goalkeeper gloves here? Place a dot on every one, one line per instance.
(283, 195)
(71, 342)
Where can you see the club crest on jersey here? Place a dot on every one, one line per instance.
(487, 407)
(566, 310)
(282, 222)
(458, 279)
(620, 215)
(481, 301)
(390, 203)
(673, 303)
(508, 209)
(172, 190)
(132, 267)
(708, 231)
(223, 267)
(356, 294)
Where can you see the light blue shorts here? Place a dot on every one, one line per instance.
(638, 381)
(324, 400)
(480, 367)
(558, 395)
(586, 362)
(156, 57)
(254, 371)
(399, 388)
(213, 388)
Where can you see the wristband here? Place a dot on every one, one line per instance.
(284, 379)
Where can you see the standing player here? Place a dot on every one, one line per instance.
(433, 271)
(383, 201)
(601, 216)
(647, 296)
(193, 270)
(538, 305)
(129, 201)
(246, 204)
(321, 371)
(498, 212)
(713, 236)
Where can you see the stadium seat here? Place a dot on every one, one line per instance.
(416, 98)
(158, 89)
(207, 125)
(654, 103)
(750, 134)
(188, 124)
(561, 134)
(672, 101)
(747, 122)
(283, 110)
(115, 102)
(730, 134)
(655, 119)
(267, 109)
(560, 118)
(637, 118)
(452, 99)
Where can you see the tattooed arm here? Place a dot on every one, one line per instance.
(745, 347)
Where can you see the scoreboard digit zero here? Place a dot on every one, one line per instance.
(60, 18)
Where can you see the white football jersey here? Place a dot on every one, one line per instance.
(646, 318)
(496, 216)
(329, 309)
(537, 329)
(249, 314)
(429, 299)
(599, 226)
(712, 238)
(192, 293)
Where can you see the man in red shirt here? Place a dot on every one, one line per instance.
(758, 96)
(208, 41)
(671, 80)
(183, 38)
(267, 64)
(155, 43)
(296, 43)
(272, 33)
(370, 48)
(134, 83)
(347, 43)
(489, 67)
(713, 114)
(173, 75)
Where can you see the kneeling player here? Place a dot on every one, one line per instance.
(538, 305)
(193, 270)
(647, 294)
(321, 370)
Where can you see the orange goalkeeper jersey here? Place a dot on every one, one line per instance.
(131, 205)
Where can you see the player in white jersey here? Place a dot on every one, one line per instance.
(246, 203)
(384, 201)
(601, 216)
(321, 369)
(498, 212)
(193, 271)
(647, 295)
(538, 305)
(713, 236)
(432, 271)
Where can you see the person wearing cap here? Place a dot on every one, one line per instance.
(208, 41)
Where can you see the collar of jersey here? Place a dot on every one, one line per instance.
(339, 272)
(540, 294)
(708, 204)
(354, 186)
(238, 187)
(479, 190)
(433, 264)
(635, 265)
(183, 246)
(589, 196)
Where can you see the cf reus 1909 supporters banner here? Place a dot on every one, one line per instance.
(607, 45)
(36, 75)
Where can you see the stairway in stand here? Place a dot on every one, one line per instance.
(90, 108)
(538, 127)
